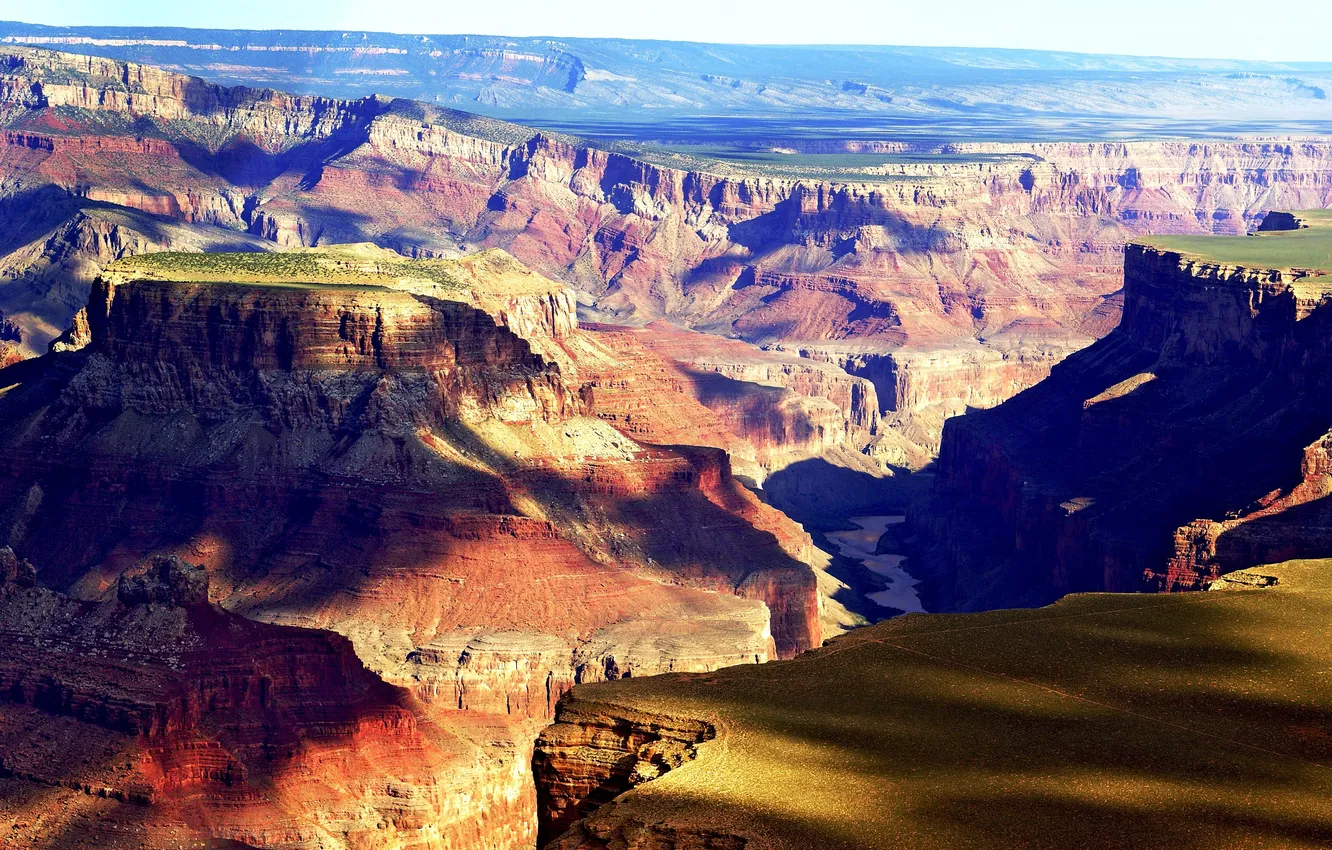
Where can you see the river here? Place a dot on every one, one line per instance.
(859, 543)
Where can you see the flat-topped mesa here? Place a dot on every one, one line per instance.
(1190, 441)
(1201, 300)
(478, 327)
(402, 451)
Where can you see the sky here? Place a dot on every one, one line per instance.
(1291, 30)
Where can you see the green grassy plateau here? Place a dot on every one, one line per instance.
(358, 266)
(1187, 721)
(349, 265)
(1308, 249)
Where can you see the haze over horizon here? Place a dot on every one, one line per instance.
(1220, 29)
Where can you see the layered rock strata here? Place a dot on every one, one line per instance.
(406, 454)
(1189, 442)
(1003, 256)
(588, 758)
(155, 717)
(768, 409)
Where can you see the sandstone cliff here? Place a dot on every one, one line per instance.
(406, 453)
(1188, 442)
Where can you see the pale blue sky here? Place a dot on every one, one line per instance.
(1289, 30)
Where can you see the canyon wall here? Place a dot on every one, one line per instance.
(156, 717)
(950, 284)
(1189, 442)
(414, 466)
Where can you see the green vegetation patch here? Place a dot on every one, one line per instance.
(466, 123)
(1186, 721)
(1308, 249)
(355, 265)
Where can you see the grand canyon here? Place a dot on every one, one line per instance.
(474, 442)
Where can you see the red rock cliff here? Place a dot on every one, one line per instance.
(414, 465)
(1208, 401)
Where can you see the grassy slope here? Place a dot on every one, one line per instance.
(1310, 248)
(1104, 721)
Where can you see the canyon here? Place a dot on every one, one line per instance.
(459, 466)
(949, 280)
(342, 457)
(1184, 451)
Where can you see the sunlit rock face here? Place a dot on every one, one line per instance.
(1189, 442)
(406, 460)
(156, 717)
(950, 284)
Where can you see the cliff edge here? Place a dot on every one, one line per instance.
(1190, 441)
(1106, 722)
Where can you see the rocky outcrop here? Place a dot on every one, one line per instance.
(143, 722)
(78, 335)
(593, 754)
(164, 579)
(15, 572)
(1188, 442)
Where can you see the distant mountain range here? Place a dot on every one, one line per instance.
(608, 85)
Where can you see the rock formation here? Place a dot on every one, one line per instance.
(948, 284)
(588, 758)
(405, 453)
(1190, 441)
(770, 408)
(154, 718)
(11, 338)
